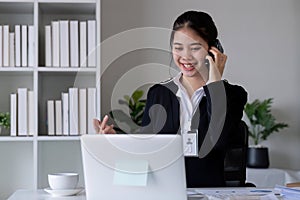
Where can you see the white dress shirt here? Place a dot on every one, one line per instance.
(188, 106)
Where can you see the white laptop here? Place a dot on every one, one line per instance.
(134, 167)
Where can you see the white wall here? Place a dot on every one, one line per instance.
(260, 37)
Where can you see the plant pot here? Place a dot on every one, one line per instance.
(4, 131)
(258, 157)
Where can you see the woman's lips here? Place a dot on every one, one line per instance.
(188, 67)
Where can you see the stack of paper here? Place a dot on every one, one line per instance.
(288, 193)
(232, 194)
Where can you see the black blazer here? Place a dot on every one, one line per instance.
(209, 170)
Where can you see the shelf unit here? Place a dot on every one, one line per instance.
(44, 154)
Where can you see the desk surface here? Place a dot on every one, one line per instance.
(41, 195)
(270, 177)
(193, 194)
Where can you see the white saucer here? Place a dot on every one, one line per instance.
(68, 192)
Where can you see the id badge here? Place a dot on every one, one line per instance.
(190, 143)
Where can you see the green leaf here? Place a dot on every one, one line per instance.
(127, 98)
(5, 120)
(136, 107)
(125, 102)
(137, 95)
(262, 122)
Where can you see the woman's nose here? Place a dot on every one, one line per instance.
(187, 54)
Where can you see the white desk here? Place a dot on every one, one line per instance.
(42, 195)
(268, 178)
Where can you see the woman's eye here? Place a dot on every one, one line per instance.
(178, 48)
(196, 48)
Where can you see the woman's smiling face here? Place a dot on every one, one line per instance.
(189, 51)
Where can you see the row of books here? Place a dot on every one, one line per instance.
(73, 114)
(70, 43)
(17, 48)
(22, 113)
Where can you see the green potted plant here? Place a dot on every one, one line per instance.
(261, 125)
(4, 121)
(136, 106)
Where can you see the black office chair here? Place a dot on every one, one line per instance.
(236, 158)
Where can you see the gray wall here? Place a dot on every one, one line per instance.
(260, 37)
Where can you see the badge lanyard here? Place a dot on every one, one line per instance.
(190, 139)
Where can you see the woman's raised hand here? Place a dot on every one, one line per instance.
(101, 127)
(217, 65)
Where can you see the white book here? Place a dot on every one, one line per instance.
(58, 117)
(18, 45)
(82, 46)
(65, 113)
(13, 114)
(82, 111)
(55, 44)
(24, 46)
(31, 113)
(91, 29)
(50, 119)
(11, 49)
(64, 43)
(91, 109)
(31, 44)
(5, 49)
(48, 46)
(22, 112)
(74, 44)
(73, 111)
(1, 46)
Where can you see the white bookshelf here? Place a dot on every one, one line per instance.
(43, 154)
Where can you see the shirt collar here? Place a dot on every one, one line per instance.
(178, 83)
(180, 86)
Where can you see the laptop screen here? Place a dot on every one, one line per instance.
(134, 166)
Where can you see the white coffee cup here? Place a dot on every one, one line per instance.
(63, 181)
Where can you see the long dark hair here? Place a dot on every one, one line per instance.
(200, 22)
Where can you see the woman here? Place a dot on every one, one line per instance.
(196, 98)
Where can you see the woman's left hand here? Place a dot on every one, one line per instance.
(217, 65)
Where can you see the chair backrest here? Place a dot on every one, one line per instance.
(236, 158)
